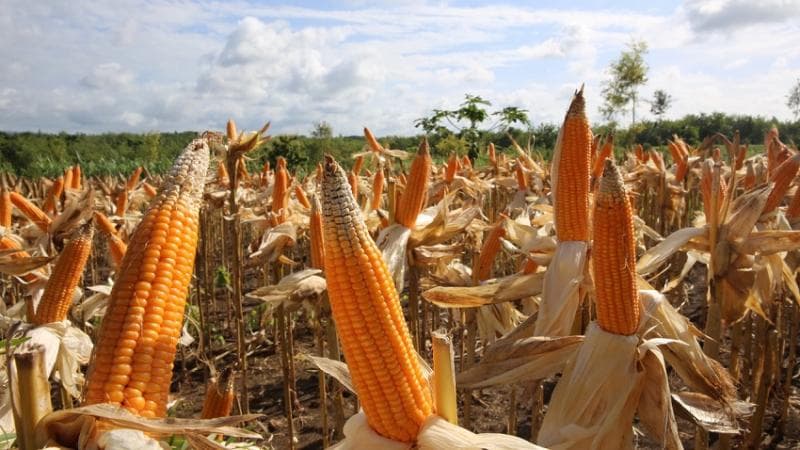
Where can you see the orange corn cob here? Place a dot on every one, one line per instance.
(741, 155)
(793, 211)
(529, 266)
(706, 187)
(639, 150)
(31, 211)
(522, 179)
(280, 192)
(716, 154)
(76, 177)
(222, 175)
(135, 350)
(614, 256)
(241, 170)
(358, 164)
(466, 163)
(482, 269)
(104, 223)
(750, 175)
(782, 176)
(122, 203)
(657, 160)
(452, 168)
(68, 178)
(492, 154)
(574, 146)
(603, 154)
(377, 188)
(116, 245)
(319, 171)
(416, 192)
(133, 180)
(149, 189)
(352, 178)
(219, 398)
(7, 243)
(384, 367)
(58, 293)
(302, 198)
(5, 208)
(53, 195)
(371, 141)
(316, 235)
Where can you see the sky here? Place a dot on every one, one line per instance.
(128, 65)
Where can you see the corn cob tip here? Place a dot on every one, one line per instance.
(578, 105)
(424, 148)
(611, 183)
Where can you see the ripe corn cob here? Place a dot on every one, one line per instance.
(465, 162)
(371, 141)
(316, 235)
(640, 155)
(280, 191)
(31, 211)
(219, 397)
(573, 153)
(358, 164)
(740, 157)
(222, 175)
(57, 296)
(5, 208)
(416, 192)
(452, 168)
(241, 170)
(529, 266)
(53, 195)
(149, 189)
(366, 308)
(492, 155)
(782, 176)
(614, 256)
(482, 269)
(68, 178)
(76, 177)
(7, 243)
(603, 154)
(793, 211)
(133, 180)
(302, 198)
(122, 203)
(522, 179)
(352, 178)
(377, 188)
(657, 159)
(137, 340)
(116, 245)
(716, 154)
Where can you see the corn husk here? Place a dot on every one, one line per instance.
(506, 289)
(393, 241)
(292, 289)
(561, 291)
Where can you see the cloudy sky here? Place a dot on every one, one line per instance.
(163, 65)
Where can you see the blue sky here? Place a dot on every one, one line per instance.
(174, 65)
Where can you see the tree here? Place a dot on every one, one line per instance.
(660, 103)
(793, 99)
(627, 74)
(465, 121)
(322, 130)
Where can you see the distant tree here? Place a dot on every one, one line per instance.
(793, 99)
(465, 121)
(322, 130)
(660, 103)
(627, 74)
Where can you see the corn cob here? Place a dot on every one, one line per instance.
(377, 188)
(31, 211)
(76, 177)
(5, 208)
(529, 266)
(358, 165)
(465, 162)
(219, 397)
(149, 189)
(133, 180)
(57, 296)
(482, 269)
(302, 198)
(452, 168)
(603, 154)
(116, 245)
(371, 141)
(280, 191)
(68, 178)
(387, 376)
(137, 340)
(639, 150)
(793, 211)
(416, 192)
(782, 178)
(492, 155)
(53, 195)
(716, 154)
(573, 153)
(222, 175)
(657, 159)
(522, 179)
(614, 256)
(7, 243)
(122, 203)
(352, 179)
(241, 170)
(316, 235)
(740, 157)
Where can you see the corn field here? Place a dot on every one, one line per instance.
(610, 298)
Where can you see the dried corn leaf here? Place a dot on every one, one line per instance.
(528, 359)
(561, 292)
(746, 210)
(275, 240)
(427, 255)
(655, 406)
(22, 266)
(337, 369)
(658, 255)
(294, 288)
(506, 289)
(712, 415)
(768, 242)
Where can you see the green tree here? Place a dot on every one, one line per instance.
(660, 103)
(465, 121)
(793, 99)
(322, 130)
(628, 73)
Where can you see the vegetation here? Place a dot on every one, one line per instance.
(628, 73)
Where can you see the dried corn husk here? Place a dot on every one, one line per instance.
(561, 291)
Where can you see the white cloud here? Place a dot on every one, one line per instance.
(711, 15)
(107, 76)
